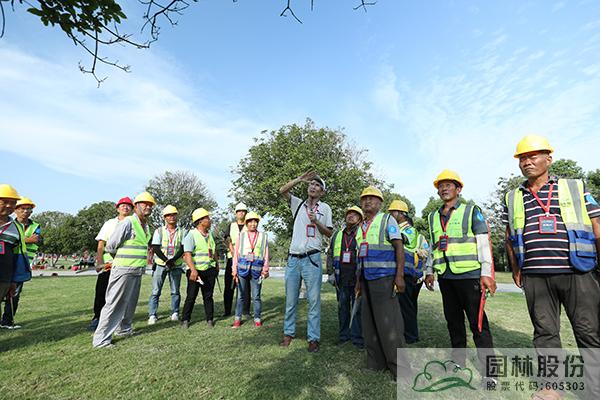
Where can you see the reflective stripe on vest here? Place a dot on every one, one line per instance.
(256, 266)
(164, 245)
(571, 200)
(134, 252)
(202, 260)
(234, 234)
(381, 257)
(461, 254)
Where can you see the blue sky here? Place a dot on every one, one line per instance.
(422, 85)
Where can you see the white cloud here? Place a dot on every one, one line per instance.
(385, 94)
(134, 126)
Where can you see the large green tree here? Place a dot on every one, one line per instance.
(58, 232)
(279, 156)
(88, 221)
(182, 189)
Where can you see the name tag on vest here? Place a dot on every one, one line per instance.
(170, 251)
(443, 243)
(311, 230)
(363, 250)
(346, 256)
(250, 257)
(547, 224)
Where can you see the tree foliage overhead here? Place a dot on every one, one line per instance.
(95, 24)
(182, 189)
(282, 155)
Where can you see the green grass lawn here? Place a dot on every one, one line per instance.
(52, 356)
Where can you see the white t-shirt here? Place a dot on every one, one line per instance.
(301, 243)
(107, 229)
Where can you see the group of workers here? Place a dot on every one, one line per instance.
(377, 263)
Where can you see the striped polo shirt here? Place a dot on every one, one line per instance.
(547, 253)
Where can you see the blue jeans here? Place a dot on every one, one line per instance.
(158, 279)
(346, 300)
(308, 269)
(243, 286)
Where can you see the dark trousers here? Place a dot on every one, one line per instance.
(208, 277)
(100, 296)
(383, 326)
(10, 307)
(229, 290)
(579, 294)
(346, 300)
(461, 297)
(410, 309)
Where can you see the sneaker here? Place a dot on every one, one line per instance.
(152, 320)
(237, 323)
(313, 346)
(11, 327)
(126, 333)
(93, 325)
(210, 323)
(285, 342)
(185, 324)
(257, 324)
(175, 317)
(4, 325)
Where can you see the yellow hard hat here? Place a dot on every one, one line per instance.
(144, 197)
(357, 210)
(252, 215)
(398, 205)
(532, 143)
(371, 191)
(169, 210)
(447, 175)
(8, 192)
(25, 201)
(199, 213)
(241, 207)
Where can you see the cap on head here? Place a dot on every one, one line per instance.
(357, 210)
(371, 191)
(25, 201)
(144, 197)
(532, 143)
(124, 200)
(252, 215)
(8, 192)
(169, 210)
(199, 213)
(321, 182)
(241, 207)
(398, 205)
(447, 175)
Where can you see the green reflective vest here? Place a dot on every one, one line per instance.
(461, 253)
(32, 248)
(134, 252)
(204, 250)
(164, 245)
(381, 258)
(234, 233)
(571, 199)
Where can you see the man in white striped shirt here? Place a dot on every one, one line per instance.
(553, 231)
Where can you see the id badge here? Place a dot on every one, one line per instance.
(2, 248)
(346, 257)
(311, 230)
(547, 224)
(443, 243)
(250, 257)
(363, 250)
(170, 251)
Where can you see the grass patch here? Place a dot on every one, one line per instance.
(52, 356)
